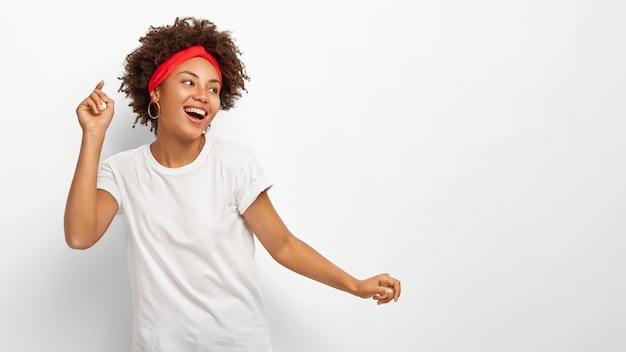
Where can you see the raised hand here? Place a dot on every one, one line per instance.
(96, 111)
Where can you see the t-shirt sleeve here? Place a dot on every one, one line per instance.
(252, 180)
(107, 181)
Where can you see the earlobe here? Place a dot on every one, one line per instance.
(154, 96)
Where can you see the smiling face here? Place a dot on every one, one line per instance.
(189, 100)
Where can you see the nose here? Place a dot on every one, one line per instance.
(200, 94)
(201, 97)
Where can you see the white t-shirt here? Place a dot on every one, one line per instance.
(190, 253)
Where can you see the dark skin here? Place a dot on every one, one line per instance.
(162, 42)
(90, 211)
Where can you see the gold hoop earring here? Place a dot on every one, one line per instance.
(154, 117)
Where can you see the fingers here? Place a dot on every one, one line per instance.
(100, 98)
(389, 289)
(382, 288)
(385, 295)
(97, 101)
(394, 284)
(96, 111)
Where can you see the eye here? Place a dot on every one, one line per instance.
(214, 90)
(188, 82)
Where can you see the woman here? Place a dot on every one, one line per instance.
(192, 203)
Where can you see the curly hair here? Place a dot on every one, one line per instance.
(160, 43)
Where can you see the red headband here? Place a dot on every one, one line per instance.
(169, 65)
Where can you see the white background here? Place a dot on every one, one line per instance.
(473, 149)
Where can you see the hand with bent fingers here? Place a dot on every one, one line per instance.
(96, 111)
(382, 288)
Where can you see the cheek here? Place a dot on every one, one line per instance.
(173, 99)
(215, 103)
(170, 107)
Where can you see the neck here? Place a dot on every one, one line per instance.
(173, 153)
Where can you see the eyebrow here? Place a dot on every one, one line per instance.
(196, 76)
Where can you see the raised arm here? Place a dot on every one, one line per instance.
(301, 258)
(89, 211)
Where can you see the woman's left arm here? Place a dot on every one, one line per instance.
(301, 258)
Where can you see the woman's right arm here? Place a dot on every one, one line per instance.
(89, 211)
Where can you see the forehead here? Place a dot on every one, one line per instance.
(199, 67)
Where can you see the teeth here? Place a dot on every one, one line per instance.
(196, 111)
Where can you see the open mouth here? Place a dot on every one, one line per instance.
(195, 113)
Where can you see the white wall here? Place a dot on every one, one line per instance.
(475, 150)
